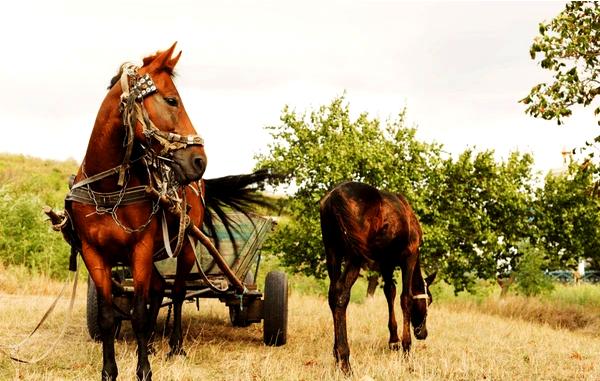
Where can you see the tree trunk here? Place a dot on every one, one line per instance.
(504, 284)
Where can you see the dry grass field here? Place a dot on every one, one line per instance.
(463, 345)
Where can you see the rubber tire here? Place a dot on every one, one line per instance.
(275, 313)
(92, 310)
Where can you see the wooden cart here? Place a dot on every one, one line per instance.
(269, 305)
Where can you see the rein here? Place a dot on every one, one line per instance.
(15, 348)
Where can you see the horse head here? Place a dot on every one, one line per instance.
(421, 303)
(158, 119)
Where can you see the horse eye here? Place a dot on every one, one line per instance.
(171, 101)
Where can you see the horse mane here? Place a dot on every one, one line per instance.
(115, 79)
(346, 229)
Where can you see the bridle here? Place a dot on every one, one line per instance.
(161, 182)
(133, 111)
(424, 296)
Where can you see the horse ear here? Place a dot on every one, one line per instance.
(173, 61)
(163, 60)
(430, 278)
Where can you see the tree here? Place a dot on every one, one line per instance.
(568, 217)
(473, 209)
(327, 147)
(568, 46)
(480, 211)
(530, 277)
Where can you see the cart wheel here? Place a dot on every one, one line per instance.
(92, 310)
(275, 309)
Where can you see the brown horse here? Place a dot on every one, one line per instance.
(365, 227)
(144, 154)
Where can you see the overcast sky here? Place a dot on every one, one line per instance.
(459, 68)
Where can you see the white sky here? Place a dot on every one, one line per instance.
(459, 67)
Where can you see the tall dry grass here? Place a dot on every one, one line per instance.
(463, 345)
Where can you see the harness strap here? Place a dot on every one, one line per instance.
(126, 101)
(168, 140)
(131, 195)
(183, 220)
(165, 234)
(98, 176)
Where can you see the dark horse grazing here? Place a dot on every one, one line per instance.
(143, 162)
(365, 227)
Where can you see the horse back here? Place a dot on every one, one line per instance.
(368, 224)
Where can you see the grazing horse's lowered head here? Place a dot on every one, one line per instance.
(420, 305)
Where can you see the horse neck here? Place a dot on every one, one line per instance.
(105, 149)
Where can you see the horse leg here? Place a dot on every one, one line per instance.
(140, 318)
(389, 289)
(157, 289)
(339, 302)
(185, 262)
(406, 300)
(333, 270)
(101, 275)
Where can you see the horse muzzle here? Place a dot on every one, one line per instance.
(420, 332)
(189, 165)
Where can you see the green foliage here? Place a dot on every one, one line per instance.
(473, 209)
(568, 217)
(568, 46)
(318, 151)
(530, 278)
(25, 236)
(479, 211)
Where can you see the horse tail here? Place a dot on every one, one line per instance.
(239, 193)
(340, 227)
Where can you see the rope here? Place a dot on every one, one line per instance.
(16, 347)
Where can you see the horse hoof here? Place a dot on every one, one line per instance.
(395, 346)
(346, 369)
(176, 352)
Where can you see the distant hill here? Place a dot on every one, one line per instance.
(47, 179)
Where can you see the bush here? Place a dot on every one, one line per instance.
(27, 239)
(530, 278)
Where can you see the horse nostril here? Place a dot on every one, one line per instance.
(198, 164)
